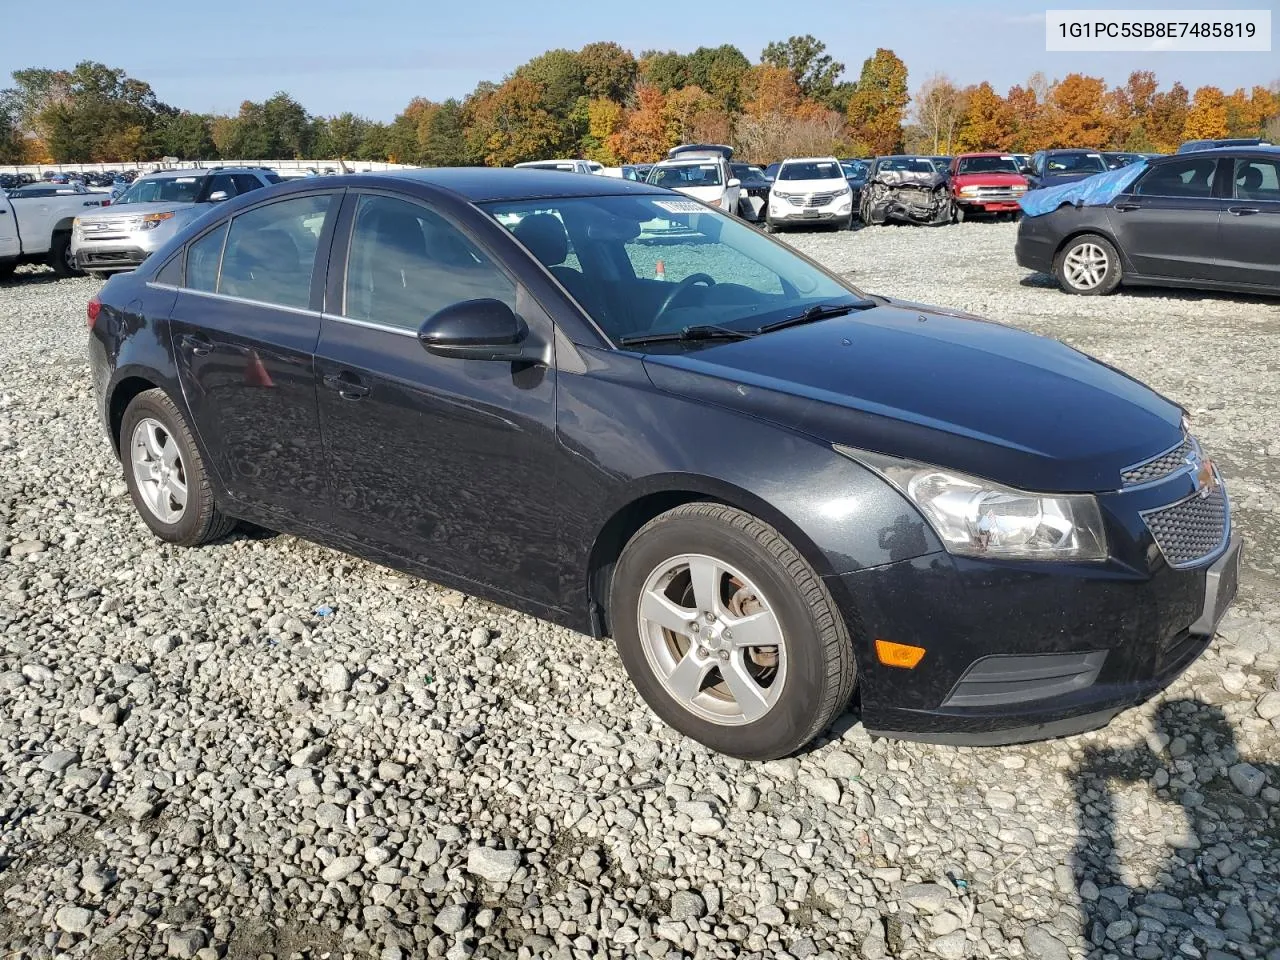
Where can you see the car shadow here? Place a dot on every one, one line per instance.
(1048, 282)
(31, 278)
(1223, 860)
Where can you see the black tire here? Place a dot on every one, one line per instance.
(769, 225)
(201, 520)
(1066, 274)
(820, 667)
(60, 256)
(6, 270)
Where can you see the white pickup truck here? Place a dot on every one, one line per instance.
(35, 224)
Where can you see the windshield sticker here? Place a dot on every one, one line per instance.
(680, 206)
(185, 179)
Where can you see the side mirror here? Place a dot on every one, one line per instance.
(735, 182)
(1027, 171)
(218, 196)
(484, 329)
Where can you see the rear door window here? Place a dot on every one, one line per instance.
(203, 257)
(222, 182)
(245, 182)
(1257, 179)
(271, 251)
(1191, 177)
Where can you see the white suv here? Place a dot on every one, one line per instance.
(568, 166)
(810, 190)
(703, 176)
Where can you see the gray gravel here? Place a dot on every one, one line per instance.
(198, 760)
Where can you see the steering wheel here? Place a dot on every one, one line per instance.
(679, 290)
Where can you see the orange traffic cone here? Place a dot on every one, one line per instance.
(255, 375)
(660, 271)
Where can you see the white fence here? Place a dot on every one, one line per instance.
(280, 166)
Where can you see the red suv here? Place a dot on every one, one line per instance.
(986, 183)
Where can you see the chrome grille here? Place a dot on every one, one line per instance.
(813, 200)
(1190, 530)
(1158, 467)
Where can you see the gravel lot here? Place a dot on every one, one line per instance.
(197, 758)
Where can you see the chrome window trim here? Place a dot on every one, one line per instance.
(302, 311)
(370, 325)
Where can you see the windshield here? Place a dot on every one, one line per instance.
(163, 190)
(987, 165)
(1075, 163)
(811, 170)
(854, 169)
(908, 165)
(642, 265)
(686, 175)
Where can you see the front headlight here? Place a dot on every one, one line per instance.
(978, 518)
(153, 220)
(780, 195)
(1019, 188)
(969, 190)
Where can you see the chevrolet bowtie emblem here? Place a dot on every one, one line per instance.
(1206, 479)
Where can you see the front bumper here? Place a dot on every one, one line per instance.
(105, 258)
(789, 213)
(122, 249)
(1016, 653)
(985, 205)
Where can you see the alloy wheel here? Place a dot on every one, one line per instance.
(158, 470)
(1086, 266)
(712, 639)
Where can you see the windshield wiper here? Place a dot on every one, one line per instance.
(702, 331)
(819, 311)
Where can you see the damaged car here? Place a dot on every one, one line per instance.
(905, 189)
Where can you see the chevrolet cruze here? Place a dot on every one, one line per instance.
(605, 404)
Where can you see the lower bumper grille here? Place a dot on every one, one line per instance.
(1002, 679)
(1191, 529)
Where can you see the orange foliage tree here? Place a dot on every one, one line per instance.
(1207, 117)
(643, 136)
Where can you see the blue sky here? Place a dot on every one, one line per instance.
(334, 56)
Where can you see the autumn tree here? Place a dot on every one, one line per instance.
(1078, 112)
(1167, 118)
(719, 71)
(511, 124)
(604, 119)
(939, 106)
(987, 122)
(1207, 118)
(644, 135)
(878, 103)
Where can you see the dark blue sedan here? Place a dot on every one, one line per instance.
(610, 406)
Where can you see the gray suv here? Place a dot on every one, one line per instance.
(152, 210)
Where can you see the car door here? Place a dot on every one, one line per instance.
(1167, 221)
(10, 246)
(244, 327)
(1249, 236)
(442, 461)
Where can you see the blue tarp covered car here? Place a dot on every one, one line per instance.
(1099, 189)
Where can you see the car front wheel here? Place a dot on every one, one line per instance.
(728, 633)
(165, 474)
(1088, 265)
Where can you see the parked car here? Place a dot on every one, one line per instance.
(753, 190)
(568, 166)
(1205, 219)
(809, 191)
(855, 174)
(704, 176)
(152, 209)
(1116, 160)
(943, 164)
(1193, 145)
(1049, 168)
(985, 183)
(766, 485)
(35, 224)
(905, 189)
(771, 171)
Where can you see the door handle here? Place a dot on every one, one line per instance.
(197, 343)
(1243, 211)
(348, 387)
(1125, 207)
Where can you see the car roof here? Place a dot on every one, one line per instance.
(199, 172)
(480, 184)
(1240, 150)
(810, 160)
(1057, 150)
(984, 153)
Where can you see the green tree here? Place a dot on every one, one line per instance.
(664, 69)
(719, 71)
(608, 71)
(187, 136)
(878, 103)
(345, 134)
(815, 70)
(445, 144)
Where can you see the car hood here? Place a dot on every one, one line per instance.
(988, 180)
(827, 185)
(705, 194)
(141, 209)
(1053, 179)
(940, 387)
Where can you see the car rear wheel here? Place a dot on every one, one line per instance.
(728, 633)
(60, 257)
(1088, 265)
(165, 474)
